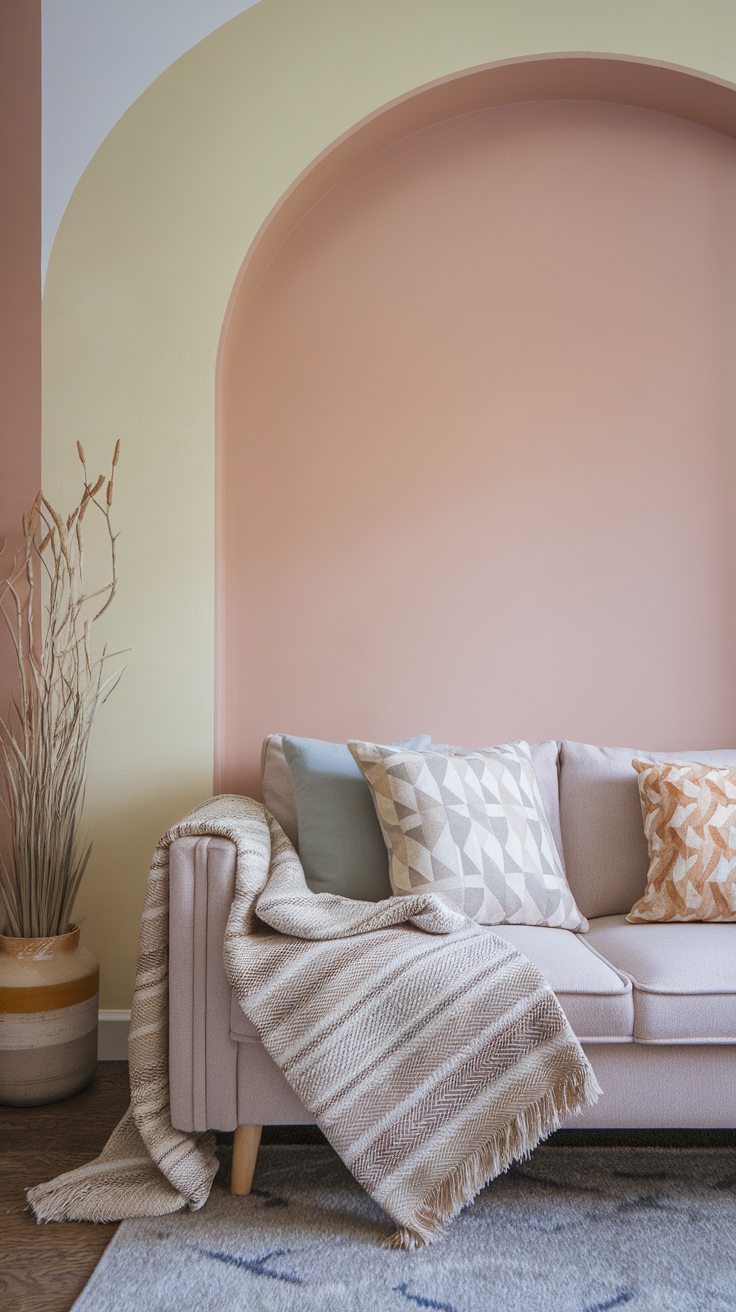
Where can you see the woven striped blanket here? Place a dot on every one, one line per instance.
(430, 1052)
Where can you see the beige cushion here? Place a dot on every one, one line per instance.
(690, 826)
(470, 827)
(277, 787)
(606, 857)
(684, 977)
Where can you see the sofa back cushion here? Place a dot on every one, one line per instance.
(606, 856)
(277, 788)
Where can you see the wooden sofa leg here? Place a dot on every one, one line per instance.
(245, 1151)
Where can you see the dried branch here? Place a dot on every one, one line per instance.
(44, 740)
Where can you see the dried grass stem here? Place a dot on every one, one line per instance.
(44, 740)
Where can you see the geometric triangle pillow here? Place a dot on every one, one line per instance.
(690, 825)
(472, 828)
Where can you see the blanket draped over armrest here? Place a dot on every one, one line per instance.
(430, 1052)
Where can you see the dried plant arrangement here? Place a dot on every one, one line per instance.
(44, 740)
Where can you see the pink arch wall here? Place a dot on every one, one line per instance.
(476, 421)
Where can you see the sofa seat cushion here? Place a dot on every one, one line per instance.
(684, 977)
(596, 999)
(241, 1029)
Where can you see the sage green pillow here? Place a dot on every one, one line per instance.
(341, 846)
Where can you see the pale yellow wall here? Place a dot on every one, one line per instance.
(137, 286)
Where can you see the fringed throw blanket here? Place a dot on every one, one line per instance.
(430, 1052)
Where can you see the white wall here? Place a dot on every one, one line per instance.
(98, 57)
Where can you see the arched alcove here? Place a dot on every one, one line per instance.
(476, 423)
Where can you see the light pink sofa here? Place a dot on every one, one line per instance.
(653, 1005)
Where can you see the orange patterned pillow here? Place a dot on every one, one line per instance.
(690, 823)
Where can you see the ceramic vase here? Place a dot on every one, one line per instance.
(48, 1018)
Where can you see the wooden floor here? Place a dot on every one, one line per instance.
(44, 1267)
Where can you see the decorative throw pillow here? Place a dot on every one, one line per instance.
(545, 760)
(471, 828)
(340, 843)
(690, 825)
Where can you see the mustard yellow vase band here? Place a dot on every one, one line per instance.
(49, 997)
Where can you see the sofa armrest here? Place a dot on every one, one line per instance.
(202, 1056)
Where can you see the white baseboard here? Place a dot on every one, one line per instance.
(112, 1036)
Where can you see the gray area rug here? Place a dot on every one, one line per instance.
(571, 1230)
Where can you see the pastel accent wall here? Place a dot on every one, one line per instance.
(477, 473)
(20, 286)
(138, 283)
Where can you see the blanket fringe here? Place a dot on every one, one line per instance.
(117, 1193)
(124, 1181)
(514, 1142)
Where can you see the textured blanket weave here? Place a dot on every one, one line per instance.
(431, 1053)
